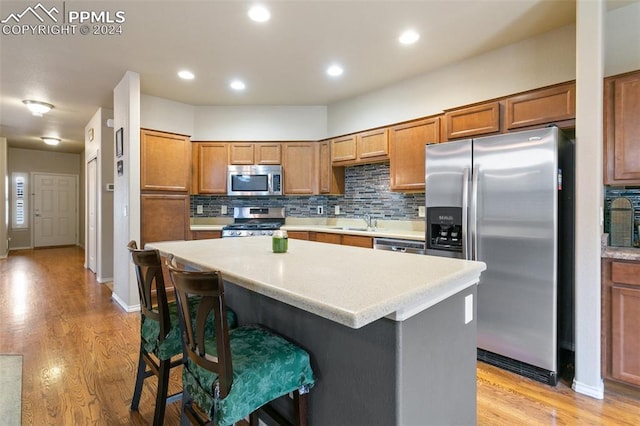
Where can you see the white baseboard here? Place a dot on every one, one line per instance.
(127, 308)
(104, 280)
(596, 392)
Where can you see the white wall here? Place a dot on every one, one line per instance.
(589, 197)
(540, 61)
(101, 148)
(622, 40)
(4, 211)
(232, 123)
(260, 123)
(28, 161)
(166, 115)
(126, 201)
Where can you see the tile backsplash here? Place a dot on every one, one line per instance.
(610, 193)
(366, 191)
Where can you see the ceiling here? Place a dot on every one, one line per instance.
(282, 61)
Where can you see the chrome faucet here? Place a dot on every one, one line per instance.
(367, 219)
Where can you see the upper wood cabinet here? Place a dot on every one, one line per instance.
(373, 145)
(366, 147)
(549, 105)
(472, 121)
(343, 149)
(165, 161)
(246, 153)
(299, 167)
(331, 178)
(210, 168)
(622, 129)
(407, 154)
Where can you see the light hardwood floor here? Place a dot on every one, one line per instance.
(80, 352)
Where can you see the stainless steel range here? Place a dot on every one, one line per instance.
(254, 221)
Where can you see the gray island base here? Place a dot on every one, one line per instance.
(413, 362)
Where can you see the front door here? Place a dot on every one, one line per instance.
(55, 210)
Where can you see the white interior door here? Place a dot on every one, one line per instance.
(92, 208)
(55, 210)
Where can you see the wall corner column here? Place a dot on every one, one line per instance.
(590, 18)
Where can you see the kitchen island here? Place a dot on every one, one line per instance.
(392, 337)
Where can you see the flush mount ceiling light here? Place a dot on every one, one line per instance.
(259, 13)
(237, 85)
(409, 37)
(38, 108)
(186, 75)
(335, 70)
(50, 141)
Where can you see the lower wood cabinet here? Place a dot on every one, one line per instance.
(343, 239)
(205, 235)
(164, 217)
(620, 322)
(357, 241)
(325, 237)
(298, 235)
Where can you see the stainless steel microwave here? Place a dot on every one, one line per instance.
(254, 180)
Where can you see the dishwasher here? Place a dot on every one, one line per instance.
(398, 245)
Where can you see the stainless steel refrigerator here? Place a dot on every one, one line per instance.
(507, 200)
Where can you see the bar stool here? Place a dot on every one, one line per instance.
(232, 375)
(160, 340)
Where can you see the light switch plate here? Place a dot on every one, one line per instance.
(468, 309)
(422, 211)
(223, 210)
(319, 210)
(336, 210)
(198, 209)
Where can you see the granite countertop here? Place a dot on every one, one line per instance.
(408, 230)
(620, 253)
(352, 286)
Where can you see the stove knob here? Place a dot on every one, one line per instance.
(269, 232)
(250, 233)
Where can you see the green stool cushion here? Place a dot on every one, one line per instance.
(172, 344)
(265, 367)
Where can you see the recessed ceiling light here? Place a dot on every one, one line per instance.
(186, 75)
(409, 37)
(50, 141)
(335, 70)
(38, 108)
(259, 13)
(237, 85)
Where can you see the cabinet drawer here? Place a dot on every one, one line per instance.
(625, 273)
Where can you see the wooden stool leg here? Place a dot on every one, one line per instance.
(300, 408)
(163, 388)
(140, 376)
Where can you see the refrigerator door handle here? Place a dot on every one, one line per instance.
(474, 213)
(466, 238)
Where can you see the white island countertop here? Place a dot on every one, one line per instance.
(352, 286)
